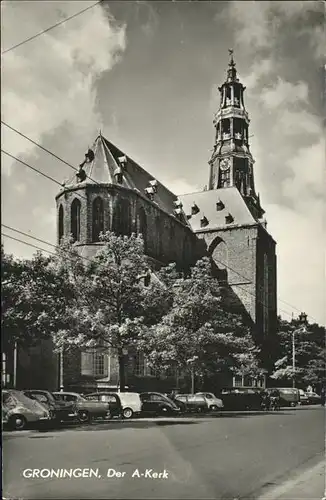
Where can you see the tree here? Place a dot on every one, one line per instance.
(33, 299)
(310, 353)
(111, 304)
(198, 334)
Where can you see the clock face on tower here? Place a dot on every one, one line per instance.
(225, 164)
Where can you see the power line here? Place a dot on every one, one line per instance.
(220, 262)
(88, 259)
(50, 28)
(71, 166)
(41, 173)
(46, 150)
(32, 168)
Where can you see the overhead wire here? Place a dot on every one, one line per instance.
(71, 166)
(50, 28)
(90, 260)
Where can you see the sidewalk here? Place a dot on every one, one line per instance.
(310, 485)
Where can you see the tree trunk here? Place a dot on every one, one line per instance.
(122, 374)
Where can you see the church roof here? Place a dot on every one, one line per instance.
(109, 160)
(206, 215)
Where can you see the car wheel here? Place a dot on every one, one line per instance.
(83, 416)
(127, 413)
(213, 408)
(165, 410)
(17, 422)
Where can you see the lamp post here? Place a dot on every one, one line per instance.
(191, 362)
(303, 322)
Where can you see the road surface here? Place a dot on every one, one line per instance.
(223, 457)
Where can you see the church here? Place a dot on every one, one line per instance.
(111, 192)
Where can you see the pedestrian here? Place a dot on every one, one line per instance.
(323, 395)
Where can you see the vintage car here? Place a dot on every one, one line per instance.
(158, 404)
(86, 409)
(191, 402)
(303, 397)
(61, 411)
(18, 410)
(212, 401)
(124, 404)
(287, 396)
(242, 398)
(313, 398)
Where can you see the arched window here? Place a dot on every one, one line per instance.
(97, 218)
(75, 220)
(60, 223)
(122, 217)
(142, 226)
(219, 252)
(158, 236)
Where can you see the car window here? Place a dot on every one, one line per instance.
(39, 397)
(108, 398)
(93, 397)
(8, 399)
(70, 397)
(208, 396)
(156, 397)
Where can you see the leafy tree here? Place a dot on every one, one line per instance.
(111, 304)
(32, 299)
(310, 353)
(198, 333)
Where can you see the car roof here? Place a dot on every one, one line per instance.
(67, 393)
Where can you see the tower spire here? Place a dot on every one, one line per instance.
(232, 71)
(231, 163)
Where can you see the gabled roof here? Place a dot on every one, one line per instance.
(106, 164)
(231, 201)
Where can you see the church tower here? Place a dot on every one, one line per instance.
(231, 163)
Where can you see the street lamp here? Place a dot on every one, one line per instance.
(303, 322)
(191, 362)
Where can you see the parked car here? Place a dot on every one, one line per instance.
(242, 398)
(212, 401)
(303, 397)
(86, 409)
(62, 411)
(313, 398)
(18, 410)
(125, 404)
(288, 396)
(158, 404)
(191, 402)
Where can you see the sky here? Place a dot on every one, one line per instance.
(146, 75)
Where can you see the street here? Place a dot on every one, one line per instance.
(229, 456)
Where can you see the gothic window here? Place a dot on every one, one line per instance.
(97, 218)
(158, 236)
(142, 226)
(75, 220)
(122, 217)
(60, 223)
(219, 253)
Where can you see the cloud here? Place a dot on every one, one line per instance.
(258, 24)
(51, 81)
(284, 93)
